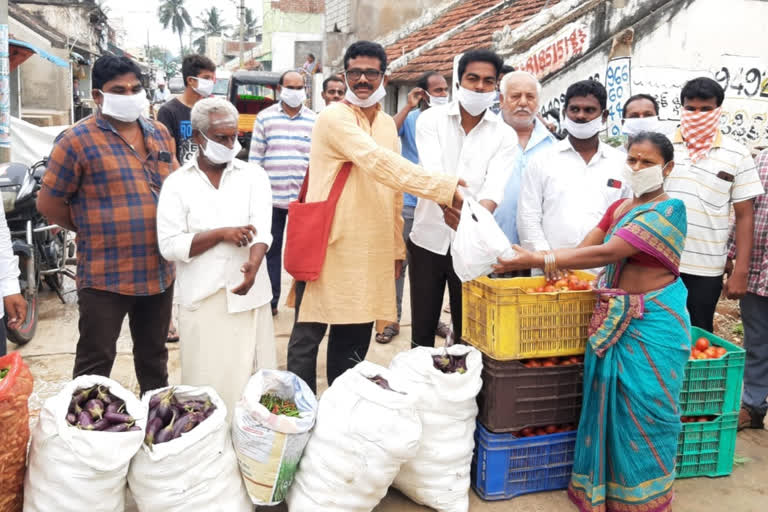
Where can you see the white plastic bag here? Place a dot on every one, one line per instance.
(71, 470)
(438, 476)
(362, 436)
(479, 242)
(197, 471)
(269, 446)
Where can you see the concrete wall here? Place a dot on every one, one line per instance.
(42, 84)
(675, 41)
(284, 49)
(297, 22)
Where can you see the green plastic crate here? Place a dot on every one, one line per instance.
(712, 387)
(707, 449)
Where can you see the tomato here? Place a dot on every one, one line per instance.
(539, 432)
(549, 288)
(572, 278)
(720, 351)
(548, 364)
(561, 283)
(574, 360)
(550, 429)
(694, 353)
(533, 363)
(540, 289)
(566, 362)
(711, 353)
(702, 344)
(701, 355)
(569, 427)
(526, 432)
(530, 290)
(702, 419)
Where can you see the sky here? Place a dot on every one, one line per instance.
(140, 17)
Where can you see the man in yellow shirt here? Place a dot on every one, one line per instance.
(365, 247)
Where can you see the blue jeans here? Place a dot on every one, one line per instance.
(754, 315)
(399, 283)
(275, 252)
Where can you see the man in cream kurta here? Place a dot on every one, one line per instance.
(214, 220)
(356, 285)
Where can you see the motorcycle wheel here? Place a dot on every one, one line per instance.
(26, 332)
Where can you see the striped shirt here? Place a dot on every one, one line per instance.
(280, 144)
(708, 188)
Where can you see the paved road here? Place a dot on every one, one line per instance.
(51, 354)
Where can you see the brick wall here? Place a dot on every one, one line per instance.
(337, 14)
(307, 6)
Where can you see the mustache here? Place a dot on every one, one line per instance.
(363, 86)
(523, 110)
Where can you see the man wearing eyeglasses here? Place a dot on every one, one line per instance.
(334, 89)
(365, 248)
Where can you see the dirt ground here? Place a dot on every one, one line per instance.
(51, 355)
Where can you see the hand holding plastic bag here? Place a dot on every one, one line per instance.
(479, 242)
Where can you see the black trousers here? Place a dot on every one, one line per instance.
(101, 317)
(275, 252)
(428, 275)
(347, 346)
(3, 345)
(703, 294)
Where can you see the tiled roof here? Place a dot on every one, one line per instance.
(440, 58)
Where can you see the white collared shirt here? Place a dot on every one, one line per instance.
(190, 204)
(562, 198)
(483, 158)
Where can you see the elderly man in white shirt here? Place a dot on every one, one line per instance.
(567, 188)
(465, 139)
(214, 220)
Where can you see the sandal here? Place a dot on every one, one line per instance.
(387, 334)
(173, 335)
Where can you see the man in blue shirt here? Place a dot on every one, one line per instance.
(520, 92)
(431, 90)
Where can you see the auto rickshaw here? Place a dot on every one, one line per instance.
(251, 92)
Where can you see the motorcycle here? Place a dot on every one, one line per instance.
(44, 250)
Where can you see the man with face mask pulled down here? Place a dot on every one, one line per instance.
(280, 143)
(103, 181)
(213, 221)
(567, 188)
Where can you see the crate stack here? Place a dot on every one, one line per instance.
(711, 397)
(511, 326)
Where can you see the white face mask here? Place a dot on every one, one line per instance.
(644, 180)
(126, 108)
(437, 100)
(635, 125)
(373, 99)
(219, 153)
(293, 97)
(583, 130)
(475, 102)
(204, 86)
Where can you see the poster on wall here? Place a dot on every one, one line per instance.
(618, 85)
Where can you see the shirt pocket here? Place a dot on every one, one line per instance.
(714, 192)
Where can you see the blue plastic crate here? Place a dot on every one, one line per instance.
(506, 466)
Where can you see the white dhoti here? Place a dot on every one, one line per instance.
(221, 349)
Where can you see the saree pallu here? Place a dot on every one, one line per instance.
(638, 347)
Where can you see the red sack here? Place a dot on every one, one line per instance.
(15, 389)
(309, 226)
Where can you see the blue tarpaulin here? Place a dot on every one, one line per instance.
(42, 53)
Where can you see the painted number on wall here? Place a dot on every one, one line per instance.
(618, 85)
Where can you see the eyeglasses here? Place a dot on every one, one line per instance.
(370, 74)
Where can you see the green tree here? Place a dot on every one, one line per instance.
(251, 26)
(173, 13)
(211, 23)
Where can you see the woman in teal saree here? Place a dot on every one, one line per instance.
(639, 341)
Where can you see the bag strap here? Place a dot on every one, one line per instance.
(338, 184)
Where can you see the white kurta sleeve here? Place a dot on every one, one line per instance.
(9, 263)
(530, 210)
(172, 235)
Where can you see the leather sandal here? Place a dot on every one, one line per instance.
(387, 334)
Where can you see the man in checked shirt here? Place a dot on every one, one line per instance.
(754, 311)
(103, 182)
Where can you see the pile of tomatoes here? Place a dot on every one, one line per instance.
(543, 431)
(552, 361)
(703, 350)
(697, 419)
(568, 283)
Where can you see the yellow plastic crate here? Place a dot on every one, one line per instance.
(505, 322)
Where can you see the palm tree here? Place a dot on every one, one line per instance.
(251, 25)
(211, 24)
(173, 13)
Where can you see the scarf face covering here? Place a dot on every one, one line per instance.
(699, 130)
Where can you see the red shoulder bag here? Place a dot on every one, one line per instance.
(309, 227)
